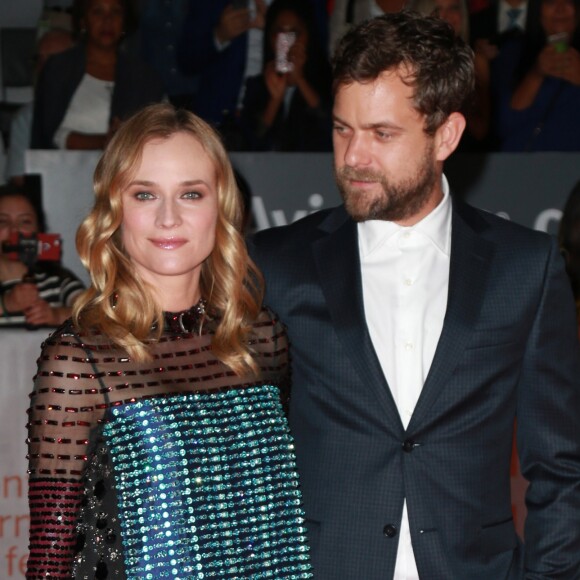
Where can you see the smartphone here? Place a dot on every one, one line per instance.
(284, 40)
(559, 41)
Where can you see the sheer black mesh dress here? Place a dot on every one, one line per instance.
(176, 468)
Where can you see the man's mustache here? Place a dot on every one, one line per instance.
(353, 174)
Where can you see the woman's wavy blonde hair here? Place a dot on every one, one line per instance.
(119, 303)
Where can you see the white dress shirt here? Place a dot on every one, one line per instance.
(405, 278)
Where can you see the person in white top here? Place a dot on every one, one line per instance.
(84, 93)
(421, 329)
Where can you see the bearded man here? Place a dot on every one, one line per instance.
(420, 329)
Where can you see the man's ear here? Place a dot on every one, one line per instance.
(447, 137)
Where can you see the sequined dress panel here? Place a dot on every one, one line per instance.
(171, 469)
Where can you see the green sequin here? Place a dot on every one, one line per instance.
(207, 487)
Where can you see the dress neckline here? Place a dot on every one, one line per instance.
(186, 320)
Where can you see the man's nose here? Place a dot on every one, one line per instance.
(357, 152)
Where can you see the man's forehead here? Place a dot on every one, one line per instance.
(405, 72)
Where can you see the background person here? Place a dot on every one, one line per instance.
(53, 42)
(421, 328)
(542, 114)
(289, 111)
(496, 34)
(83, 93)
(478, 117)
(221, 42)
(46, 299)
(156, 419)
(348, 13)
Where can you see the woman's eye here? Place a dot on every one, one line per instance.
(191, 195)
(143, 195)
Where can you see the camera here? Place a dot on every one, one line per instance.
(32, 248)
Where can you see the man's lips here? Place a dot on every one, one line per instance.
(362, 182)
(168, 243)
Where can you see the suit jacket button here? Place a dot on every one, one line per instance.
(408, 445)
(390, 531)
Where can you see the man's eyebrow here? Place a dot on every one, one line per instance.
(376, 125)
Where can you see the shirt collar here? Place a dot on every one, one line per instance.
(435, 226)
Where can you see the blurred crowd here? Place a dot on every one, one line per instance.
(259, 70)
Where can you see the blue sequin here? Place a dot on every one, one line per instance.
(209, 488)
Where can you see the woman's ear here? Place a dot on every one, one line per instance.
(447, 137)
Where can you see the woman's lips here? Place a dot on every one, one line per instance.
(168, 243)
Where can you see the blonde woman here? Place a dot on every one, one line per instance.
(158, 446)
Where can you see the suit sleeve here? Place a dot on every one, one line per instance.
(548, 432)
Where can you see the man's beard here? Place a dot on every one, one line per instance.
(397, 201)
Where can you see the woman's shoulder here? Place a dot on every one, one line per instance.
(74, 56)
(70, 337)
(267, 319)
(267, 329)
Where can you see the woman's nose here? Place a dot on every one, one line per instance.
(168, 215)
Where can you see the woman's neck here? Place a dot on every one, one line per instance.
(101, 62)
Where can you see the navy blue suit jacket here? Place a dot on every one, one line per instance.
(508, 350)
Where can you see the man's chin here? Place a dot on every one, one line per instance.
(359, 212)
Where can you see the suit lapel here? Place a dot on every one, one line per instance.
(337, 259)
(471, 257)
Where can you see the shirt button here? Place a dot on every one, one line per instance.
(406, 234)
(390, 531)
(408, 282)
(409, 346)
